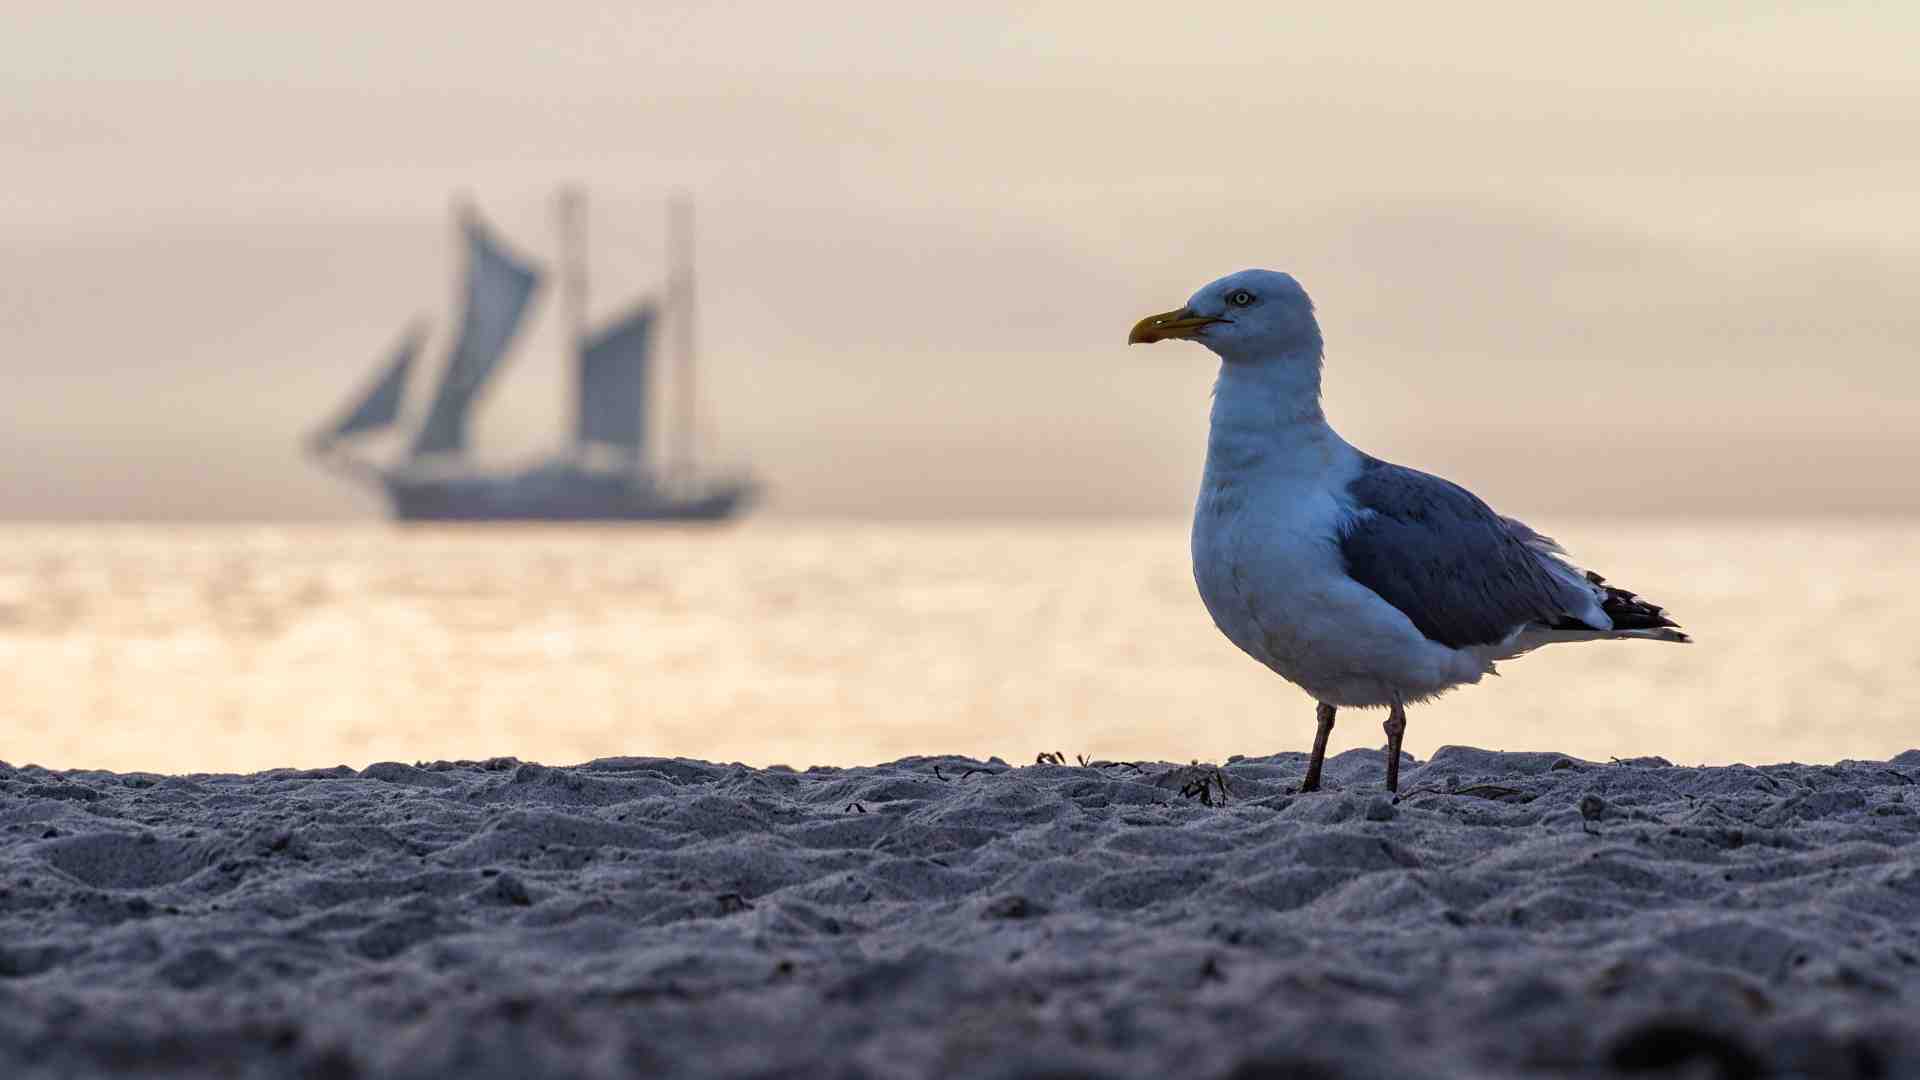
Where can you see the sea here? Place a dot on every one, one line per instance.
(220, 648)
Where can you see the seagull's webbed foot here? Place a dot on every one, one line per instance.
(1323, 714)
(1396, 726)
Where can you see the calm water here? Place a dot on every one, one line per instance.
(224, 648)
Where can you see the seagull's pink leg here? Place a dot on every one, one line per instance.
(1324, 714)
(1396, 726)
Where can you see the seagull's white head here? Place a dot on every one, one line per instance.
(1251, 317)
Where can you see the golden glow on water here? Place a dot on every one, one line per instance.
(232, 648)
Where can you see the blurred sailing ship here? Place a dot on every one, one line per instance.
(606, 474)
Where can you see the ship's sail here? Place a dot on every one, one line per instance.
(380, 405)
(613, 383)
(614, 368)
(499, 287)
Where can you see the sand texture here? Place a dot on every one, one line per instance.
(1513, 914)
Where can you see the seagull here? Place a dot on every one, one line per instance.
(1364, 583)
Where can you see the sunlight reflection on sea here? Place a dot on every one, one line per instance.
(177, 649)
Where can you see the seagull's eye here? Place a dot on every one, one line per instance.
(1241, 298)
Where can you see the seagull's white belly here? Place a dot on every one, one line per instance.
(1266, 558)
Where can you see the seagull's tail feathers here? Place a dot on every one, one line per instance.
(1632, 619)
(1627, 611)
(1533, 637)
(1597, 611)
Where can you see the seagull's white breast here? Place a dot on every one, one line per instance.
(1267, 561)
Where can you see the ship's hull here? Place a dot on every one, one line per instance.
(558, 496)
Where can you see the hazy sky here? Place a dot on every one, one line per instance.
(1647, 257)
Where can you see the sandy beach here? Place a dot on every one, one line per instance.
(1512, 914)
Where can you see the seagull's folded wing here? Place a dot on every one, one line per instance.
(1460, 572)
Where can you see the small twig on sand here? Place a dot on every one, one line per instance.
(1202, 788)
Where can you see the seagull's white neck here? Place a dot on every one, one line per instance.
(1265, 409)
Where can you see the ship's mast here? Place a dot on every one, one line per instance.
(680, 238)
(570, 218)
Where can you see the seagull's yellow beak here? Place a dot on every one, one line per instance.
(1169, 324)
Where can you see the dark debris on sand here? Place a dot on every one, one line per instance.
(1510, 915)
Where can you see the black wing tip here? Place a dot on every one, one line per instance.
(1648, 620)
(1629, 612)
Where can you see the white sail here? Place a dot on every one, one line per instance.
(499, 287)
(379, 406)
(613, 383)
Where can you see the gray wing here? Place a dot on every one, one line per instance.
(1458, 570)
